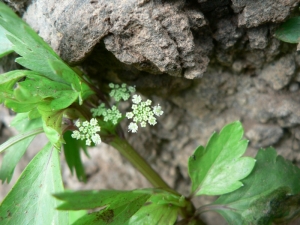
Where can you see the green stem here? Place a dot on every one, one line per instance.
(149, 173)
(140, 164)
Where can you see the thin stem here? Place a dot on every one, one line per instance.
(20, 137)
(140, 164)
(149, 173)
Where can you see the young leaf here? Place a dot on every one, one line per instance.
(266, 193)
(72, 154)
(37, 55)
(218, 168)
(23, 123)
(52, 124)
(6, 46)
(14, 153)
(289, 31)
(30, 201)
(7, 83)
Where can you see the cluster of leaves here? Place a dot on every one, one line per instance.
(48, 95)
(48, 88)
(253, 191)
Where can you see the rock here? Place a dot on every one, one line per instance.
(18, 5)
(258, 37)
(258, 12)
(279, 73)
(261, 136)
(227, 33)
(196, 18)
(294, 87)
(152, 36)
(272, 50)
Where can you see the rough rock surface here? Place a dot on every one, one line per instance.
(152, 36)
(246, 74)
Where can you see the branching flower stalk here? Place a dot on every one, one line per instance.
(141, 113)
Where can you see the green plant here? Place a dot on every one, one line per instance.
(60, 101)
(289, 31)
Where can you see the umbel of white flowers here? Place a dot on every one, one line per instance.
(87, 130)
(142, 113)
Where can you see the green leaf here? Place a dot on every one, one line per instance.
(35, 90)
(53, 127)
(23, 123)
(72, 155)
(144, 206)
(119, 205)
(14, 153)
(75, 215)
(273, 182)
(7, 83)
(94, 199)
(37, 55)
(6, 46)
(217, 168)
(154, 213)
(30, 201)
(36, 86)
(12, 157)
(289, 31)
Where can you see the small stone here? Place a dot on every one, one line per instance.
(258, 37)
(294, 87)
(264, 135)
(259, 12)
(279, 73)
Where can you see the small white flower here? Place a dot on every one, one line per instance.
(157, 110)
(133, 127)
(93, 122)
(136, 99)
(129, 115)
(120, 92)
(77, 123)
(96, 139)
(87, 130)
(85, 123)
(131, 89)
(143, 124)
(152, 121)
(148, 102)
(88, 142)
(76, 134)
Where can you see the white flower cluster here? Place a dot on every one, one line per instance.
(112, 114)
(142, 113)
(87, 130)
(119, 92)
